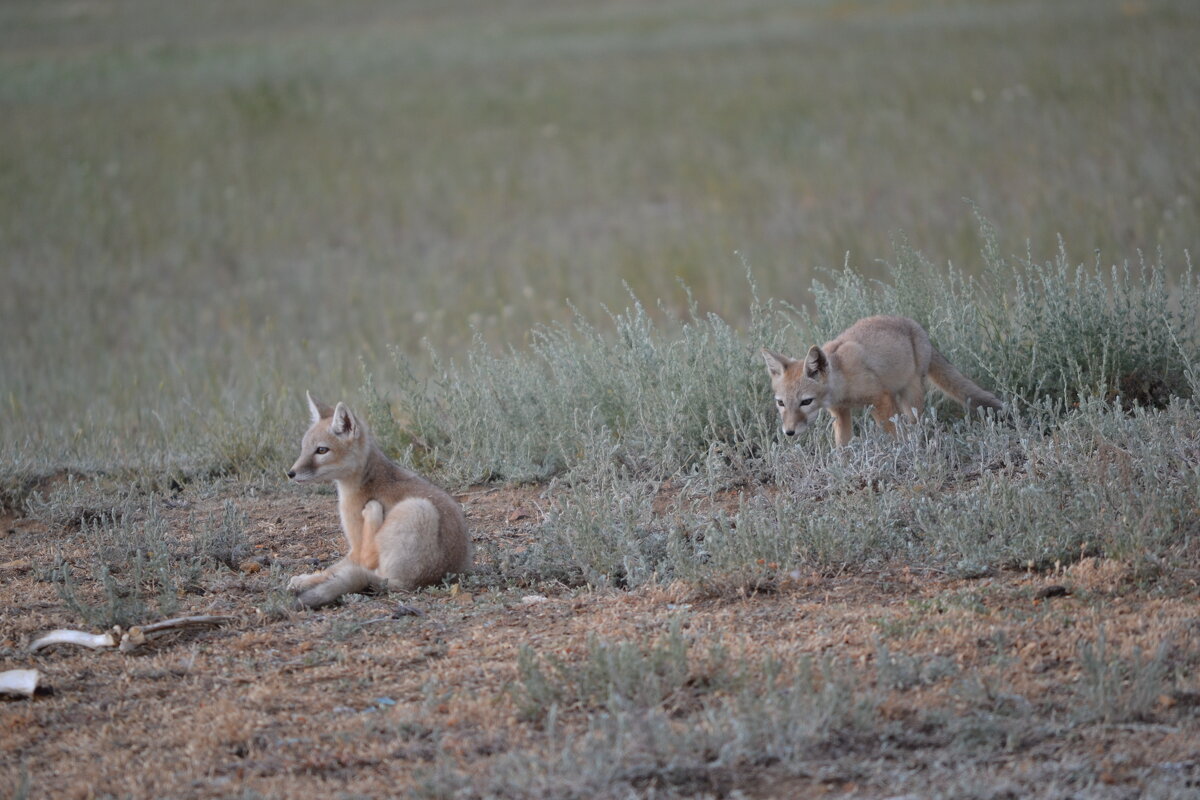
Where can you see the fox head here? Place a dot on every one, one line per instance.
(334, 448)
(800, 387)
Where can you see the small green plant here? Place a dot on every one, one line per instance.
(221, 539)
(902, 671)
(613, 675)
(130, 573)
(278, 603)
(1113, 689)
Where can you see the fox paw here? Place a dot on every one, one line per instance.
(373, 513)
(301, 582)
(310, 599)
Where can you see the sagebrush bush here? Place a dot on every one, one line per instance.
(659, 439)
(671, 393)
(664, 391)
(221, 539)
(1116, 690)
(1031, 330)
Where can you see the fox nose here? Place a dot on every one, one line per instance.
(789, 431)
(291, 473)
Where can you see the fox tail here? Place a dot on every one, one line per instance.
(959, 386)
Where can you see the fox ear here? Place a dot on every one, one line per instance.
(344, 423)
(816, 363)
(318, 410)
(776, 363)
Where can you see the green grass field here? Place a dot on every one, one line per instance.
(204, 211)
(539, 245)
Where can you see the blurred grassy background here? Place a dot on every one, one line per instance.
(207, 208)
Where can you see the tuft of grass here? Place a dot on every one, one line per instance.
(899, 671)
(222, 540)
(1116, 690)
(278, 603)
(19, 481)
(614, 676)
(248, 439)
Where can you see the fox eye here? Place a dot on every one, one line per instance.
(806, 401)
(322, 450)
(779, 402)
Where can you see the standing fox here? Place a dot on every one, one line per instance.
(877, 361)
(403, 531)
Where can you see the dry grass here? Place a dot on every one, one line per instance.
(957, 683)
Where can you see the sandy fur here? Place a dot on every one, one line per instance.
(402, 531)
(881, 362)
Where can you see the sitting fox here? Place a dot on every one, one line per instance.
(403, 531)
(877, 361)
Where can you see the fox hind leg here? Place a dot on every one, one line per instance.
(883, 411)
(408, 546)
(912, 400)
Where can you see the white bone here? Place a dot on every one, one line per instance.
(96, 641)
(19, 681)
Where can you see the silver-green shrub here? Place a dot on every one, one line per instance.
(666, 390)
(1031, 329)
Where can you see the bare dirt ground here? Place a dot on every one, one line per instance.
(360, 700)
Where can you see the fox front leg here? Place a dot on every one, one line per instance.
(842, 426)
(301, 582)
(372, 515)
